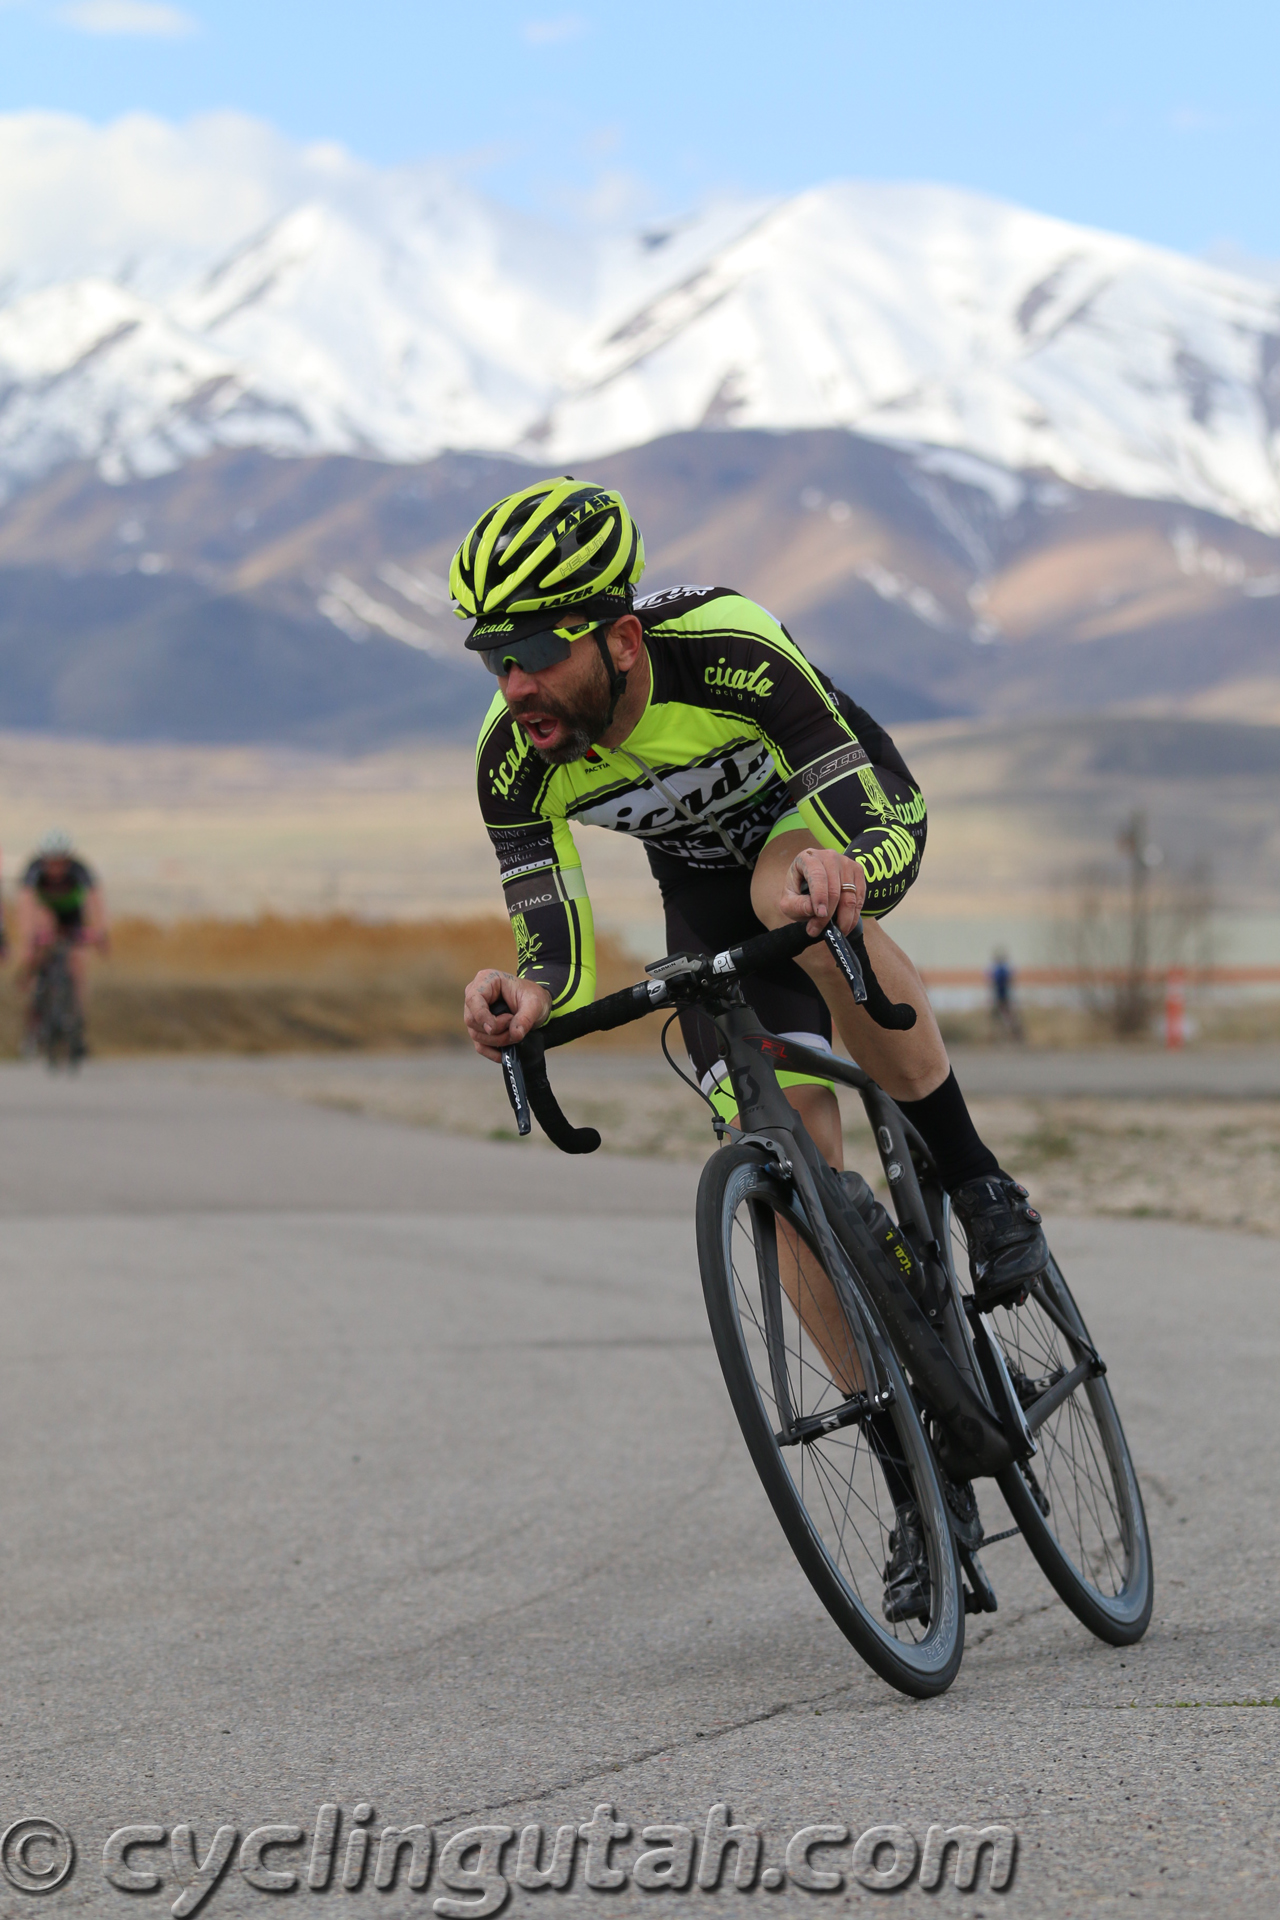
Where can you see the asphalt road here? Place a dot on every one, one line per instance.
(344, 1463)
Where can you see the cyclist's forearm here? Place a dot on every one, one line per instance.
(885, 838)
(890, 859)
(552, 926)
(545, 893)
(555, 949)
(28, 917)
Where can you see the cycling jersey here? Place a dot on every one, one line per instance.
(64, 898)
(741, 738)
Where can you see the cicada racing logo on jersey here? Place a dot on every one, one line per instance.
(504, 774)
(737, 680)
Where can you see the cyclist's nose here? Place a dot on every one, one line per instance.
(518, 684)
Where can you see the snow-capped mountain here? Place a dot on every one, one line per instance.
(298, 301)
(926, 315)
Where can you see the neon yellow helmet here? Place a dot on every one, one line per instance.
(558, 545)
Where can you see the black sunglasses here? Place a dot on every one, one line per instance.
(536, 650)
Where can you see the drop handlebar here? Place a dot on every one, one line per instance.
(675, 982)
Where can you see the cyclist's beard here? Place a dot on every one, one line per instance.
(584, 719)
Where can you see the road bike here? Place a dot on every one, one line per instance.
(56, 1017)
(870, 1391)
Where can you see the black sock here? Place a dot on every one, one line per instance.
(943, 1123)
(882, 1436)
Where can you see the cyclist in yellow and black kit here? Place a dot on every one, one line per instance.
(762, 794)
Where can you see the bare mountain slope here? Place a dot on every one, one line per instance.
(248, 597)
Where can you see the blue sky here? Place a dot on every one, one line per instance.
(1155, 120)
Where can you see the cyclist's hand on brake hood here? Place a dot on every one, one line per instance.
(822, 885)
(501, 1009)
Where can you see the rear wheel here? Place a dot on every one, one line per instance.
(1076, 1501)
(848, 1482)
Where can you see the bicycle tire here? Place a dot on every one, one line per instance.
(1092, 1545)
(44, 1015)
(59, 1016)
(842, 1554)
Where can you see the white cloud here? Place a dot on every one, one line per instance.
(149, 17)
(144, 201)
(551, 33)
(613, 200)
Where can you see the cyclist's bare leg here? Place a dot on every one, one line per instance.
(804, 1279)
(907, 1065)
(820, 1111)
(35, 930)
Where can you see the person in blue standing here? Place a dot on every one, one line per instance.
(1004, 1012)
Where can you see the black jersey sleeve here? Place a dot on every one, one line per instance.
(542, 879)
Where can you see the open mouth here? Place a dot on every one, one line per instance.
(540, 728)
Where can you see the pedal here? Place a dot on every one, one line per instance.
(962, 1511)
(979, 1595)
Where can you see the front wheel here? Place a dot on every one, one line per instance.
(58, 1020)
(855, 1489)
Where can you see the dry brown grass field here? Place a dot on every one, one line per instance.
(285, 984)
(279, 985)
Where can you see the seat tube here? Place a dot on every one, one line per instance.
(913, 1215)
(899, 1171)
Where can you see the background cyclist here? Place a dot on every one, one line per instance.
(59, 899)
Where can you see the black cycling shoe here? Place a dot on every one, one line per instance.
(962, 1504)
(1007, 1249)
(906, 1574)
